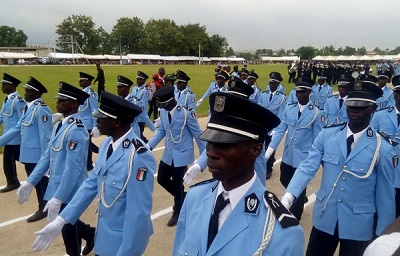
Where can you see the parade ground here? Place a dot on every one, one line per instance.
(17, 236)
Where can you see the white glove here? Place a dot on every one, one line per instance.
(268, 153)
(95, 132)
(53, 208)
(199, 102)
(55, 117)
(191, 173)
(157, 122)
(287, 200)
(23, 192)
(47, 235)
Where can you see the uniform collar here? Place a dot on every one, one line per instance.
(236, 194)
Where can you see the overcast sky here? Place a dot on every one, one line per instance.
(247, 24)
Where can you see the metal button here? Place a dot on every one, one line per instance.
(343, 178)
(113, 183)
(342, 189)
(100, 215)
(339, 201)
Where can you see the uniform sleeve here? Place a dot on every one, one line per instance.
(158, 135)
(43, 118)
(279, 132)
(202, 160)
(208, 92)
(10, 134)
(93, 104)
(180, 232)
(308, 168)
(385, 192)
(77, 142)
(19, 107)
(137, 226)
(374, 121)
(41, 168)
(81, 200)
(147, 120)
(195, 129)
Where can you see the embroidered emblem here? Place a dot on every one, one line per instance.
(395, 161)
(219, 104)
(252, 202)
(72, 145)
(70, 120)
(44, 118)
(126, 143)
(193, 114)
(141, 174)
(370, 132)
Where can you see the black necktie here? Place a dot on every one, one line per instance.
(109, 151)
(26, 108)
(350, 141)
(320, 88)
(179, 94)
(398, 119)
(213, 227)
(340, 103)
(58, 126)
(299, 114)
(270, 97)
(5, 100)
(169, 117)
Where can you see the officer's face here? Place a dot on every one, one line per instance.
(342, 91)
(397, 96)
(232, 163)
(65, 106)
(84, 83)
(321, 81)
(140, 81)
(382, 82)
(360, 116)
(220, 81)
(273, 86)
(106, 125)
(303, 96)
(251, 81)
(181, 85)
(123, 91)
(31, 95)
(7, 88)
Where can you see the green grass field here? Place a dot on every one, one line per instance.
(201, 76)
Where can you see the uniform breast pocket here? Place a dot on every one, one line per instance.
(331, 158)
(291, 122)
(364, 208)
(360, 168)
(189, 249)
(113, 187)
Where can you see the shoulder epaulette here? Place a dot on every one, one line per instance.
(20, 99)
(42, 103)
(283, 216)
(91, 89)
(139, 146)
(389, 108)
(190, 92)
(79, 123)
(333, 96)
(336, 125)
(289, 104)
(387, 138)
(202, 182)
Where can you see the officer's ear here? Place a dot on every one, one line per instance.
(255, 150)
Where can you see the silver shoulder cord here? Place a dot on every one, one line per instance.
(12, 108)
(371, 168)
(267, 233)
(130, 166)
(303, 127)
(32, 116)
(280, 103)
(86, 105)
(63, 136)
(183, 127)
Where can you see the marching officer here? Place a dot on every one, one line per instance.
(35, 130)
(252, 81)
(335, 110)
(219, 84)
(65, 161)
(356, 197)
(387, 98)
(179, 127)
(183, 94)
(123, 87)
(124, 224)
(278, 75)
(274, 101)
(86, 110)
(321, 92)
(141, 95)
(301, 121)
(387, 120)
(222, 215)
(11, 111)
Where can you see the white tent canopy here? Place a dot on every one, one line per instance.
(283, 58)
(353, 57)
(59, 55)
(143, 57)
(17, 55)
